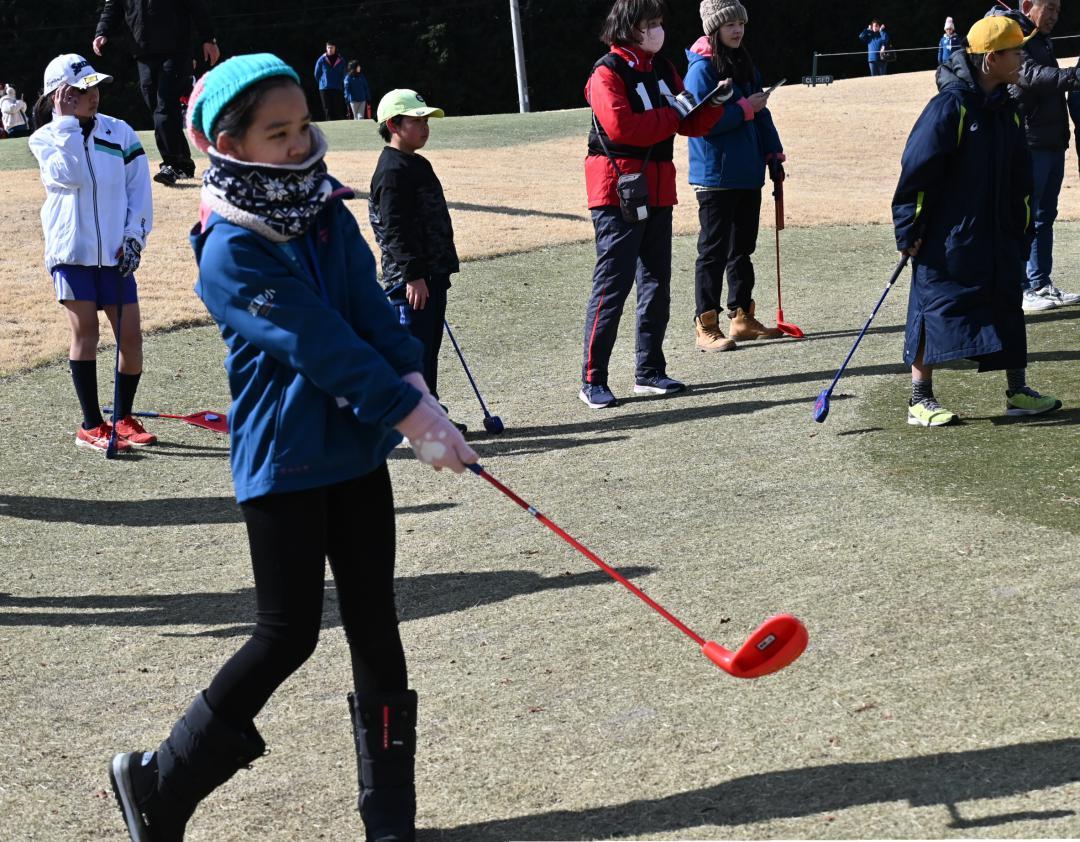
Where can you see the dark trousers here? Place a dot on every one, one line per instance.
(627, 253)
(426, 325)
(333, 103)
(729, 230)
(878, 68)
(291, 537)
(161, 80)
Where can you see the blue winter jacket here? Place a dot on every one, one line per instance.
(948, 45)
(733, 154)
(874, 42)
(315, 352)
(330, 74)
(965, 192)
(356, 87)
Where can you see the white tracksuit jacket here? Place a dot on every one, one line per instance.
(97, 190)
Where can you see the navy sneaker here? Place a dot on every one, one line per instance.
(597, 395)
(658, 384)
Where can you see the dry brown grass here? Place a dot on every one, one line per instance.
(843, 142)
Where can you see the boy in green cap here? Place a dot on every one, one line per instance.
(412, 225)
(962, 209)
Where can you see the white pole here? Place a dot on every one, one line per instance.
(519, 57)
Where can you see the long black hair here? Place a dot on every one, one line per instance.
(732, 62)
(623, 19)
(42, 111)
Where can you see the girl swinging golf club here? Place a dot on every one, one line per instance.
(313, 345)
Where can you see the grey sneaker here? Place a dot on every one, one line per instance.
(1063, 299)
(597, 395)
(659, 384)
(1034, 301)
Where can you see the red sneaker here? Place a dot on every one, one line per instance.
(98, 438)
(131, 431)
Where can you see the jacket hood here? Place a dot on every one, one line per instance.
(701, 49)
(1026, 23)
(958, 75)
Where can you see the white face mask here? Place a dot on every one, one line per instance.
(652, 39)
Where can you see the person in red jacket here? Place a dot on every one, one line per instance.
(639, 104)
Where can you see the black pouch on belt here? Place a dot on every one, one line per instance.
(634, 196)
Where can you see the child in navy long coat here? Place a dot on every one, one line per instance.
(962, 209)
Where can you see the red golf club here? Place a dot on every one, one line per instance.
(776, 172)
(207, 419)
(771, 647)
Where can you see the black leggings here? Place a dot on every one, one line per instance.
(291, 536)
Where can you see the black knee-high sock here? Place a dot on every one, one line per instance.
(129, 384)
(84, 375)
(1015, 380)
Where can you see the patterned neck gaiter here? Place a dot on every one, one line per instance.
(278, 201)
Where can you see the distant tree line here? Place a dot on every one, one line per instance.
(459, 53)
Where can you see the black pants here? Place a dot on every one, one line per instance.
(627, 253)
(333, 103)
(426, 325)
(291, 536)
(729, 230)
(161, 80)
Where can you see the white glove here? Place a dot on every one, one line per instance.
(684, 103)
(434, 439)
(723, 94)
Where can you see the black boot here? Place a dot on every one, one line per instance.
(157, 792)
(384, 725)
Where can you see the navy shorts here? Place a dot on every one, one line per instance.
(89, 283)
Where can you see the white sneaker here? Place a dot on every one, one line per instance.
(1035, 301)
(1062, 298)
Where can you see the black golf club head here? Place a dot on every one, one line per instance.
(821, 406)
(493, 424)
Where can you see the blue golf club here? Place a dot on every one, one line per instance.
(111, 450)
(821, 406)
(492, 423)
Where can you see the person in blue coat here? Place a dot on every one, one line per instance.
(876, 39)
(962, 211)
(357, 92)
(330, 77)
(950, 42)
(727, 172)
(324, 382)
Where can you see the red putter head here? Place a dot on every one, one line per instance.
(773, 645)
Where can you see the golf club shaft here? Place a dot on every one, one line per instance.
(465, 366)
(478, 469)
(892, 280)
(110, 450)
(779, 300)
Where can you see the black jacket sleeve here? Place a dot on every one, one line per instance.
(200, 17)
(112, 15)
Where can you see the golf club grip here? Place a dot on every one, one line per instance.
(478, 469)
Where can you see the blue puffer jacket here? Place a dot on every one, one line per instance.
(316, 353)
(874, 42)
(965, 192)
(330, 73)
(948, 45)
(733, 154)
(356, 87)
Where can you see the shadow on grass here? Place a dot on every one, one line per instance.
(418, 597)
(960, 823)
(943, 779)
(169, 511)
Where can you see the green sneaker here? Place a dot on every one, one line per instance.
(929, 413)
(1027, 401)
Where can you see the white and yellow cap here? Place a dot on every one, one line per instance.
(72, 69)
(404, 103)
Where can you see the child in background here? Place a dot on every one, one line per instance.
(357, 92)
(97, 216)
(727, 172)
(412, 226)
(639, 105)
(324, 381)
(962, 210)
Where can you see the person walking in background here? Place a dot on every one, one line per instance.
(330, 77)
(13, 111)
(1040, 95)
(727, 172)
(876, 39)
(96, 217)
(639, 104)
(961, 211)
(161, 34)
(950, 42)
(357, 92)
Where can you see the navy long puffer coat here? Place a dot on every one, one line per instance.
(965, 191)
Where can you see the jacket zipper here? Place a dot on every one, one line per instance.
(93, 179)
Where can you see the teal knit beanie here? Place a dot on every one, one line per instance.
(221, 85)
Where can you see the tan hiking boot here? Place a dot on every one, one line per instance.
(745, 327)
(709, 337)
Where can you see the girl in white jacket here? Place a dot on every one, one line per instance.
(96, 217)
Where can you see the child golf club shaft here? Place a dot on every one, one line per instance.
(771, 647)
(492, 423)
